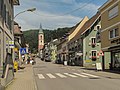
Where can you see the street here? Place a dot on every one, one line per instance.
(50, 76)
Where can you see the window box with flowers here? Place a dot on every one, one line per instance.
(93, 44)
(94, 58)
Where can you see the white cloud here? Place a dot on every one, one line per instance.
(48, 14)
(51, 21)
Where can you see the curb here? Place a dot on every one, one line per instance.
(35, 84)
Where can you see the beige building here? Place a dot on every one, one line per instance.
(63, 46)
(6, 39)
(110, 32)
(19, 41)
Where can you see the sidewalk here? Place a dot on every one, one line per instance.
(24, 79)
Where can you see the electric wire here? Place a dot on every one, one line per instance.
(81, 7)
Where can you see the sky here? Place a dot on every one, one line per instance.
(53, 14)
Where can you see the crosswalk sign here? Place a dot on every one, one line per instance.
(23, 50)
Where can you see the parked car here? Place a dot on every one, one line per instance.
(47, 59)
(58, 61)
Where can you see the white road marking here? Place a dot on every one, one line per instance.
(70, 75)
(60, 75)
(41, 76)
(80, 75)
(50, 75)
(90, 75)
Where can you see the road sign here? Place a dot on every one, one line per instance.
(101, 53)
(23, 50)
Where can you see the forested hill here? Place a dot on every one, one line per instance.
(31, 36)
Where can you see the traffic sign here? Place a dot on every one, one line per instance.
(23, 50)
(101, 53)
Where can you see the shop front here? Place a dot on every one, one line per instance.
(115, 57)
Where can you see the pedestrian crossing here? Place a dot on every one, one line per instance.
(65, 75)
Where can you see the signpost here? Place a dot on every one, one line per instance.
(23, 51)
(98, 66)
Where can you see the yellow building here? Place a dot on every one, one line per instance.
(110, 32)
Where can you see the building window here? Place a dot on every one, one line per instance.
(41, 37)
(94, 55)
(114, 33)
(93, 40)
(113, 12)
(98, 27)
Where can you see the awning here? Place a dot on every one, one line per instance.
(114, 48)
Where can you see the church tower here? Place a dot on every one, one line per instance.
(40, 39)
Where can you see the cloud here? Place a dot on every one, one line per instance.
(49, 13)
(49, 21)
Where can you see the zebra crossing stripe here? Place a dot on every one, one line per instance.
(90, 75)
(60, 75)
(80, 75)
(40, 76)
(70, 75)
(50, 75)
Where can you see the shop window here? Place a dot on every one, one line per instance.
(113, 12)
(113, 33)
(116, 60)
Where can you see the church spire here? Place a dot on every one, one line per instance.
(40, 30)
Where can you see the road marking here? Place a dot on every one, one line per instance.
(60, 75)
(90, 75)
(50, 75)
(80, 75)
(70, 75)
(41, 76)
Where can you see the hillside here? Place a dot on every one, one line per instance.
(31, 36)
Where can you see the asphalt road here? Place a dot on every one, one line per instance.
(50, 76)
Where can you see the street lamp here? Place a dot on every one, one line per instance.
(29, 10)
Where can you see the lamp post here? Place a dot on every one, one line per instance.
(28, 10)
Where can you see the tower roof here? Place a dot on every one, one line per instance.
(40, 30)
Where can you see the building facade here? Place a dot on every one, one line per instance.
(91, 49)
(19, 42)
(110, 32)
(7, 39)
(74, 44)
(53, 49)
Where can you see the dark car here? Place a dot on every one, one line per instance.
(58, 61)
(47, 59)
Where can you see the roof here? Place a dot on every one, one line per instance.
(86, 26)
(74, 27)
(40, 30)
(90, 22)
(77, 28)
(105, 4)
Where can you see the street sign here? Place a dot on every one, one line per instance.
(23, 50)
(11, 44)
(98, 66)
